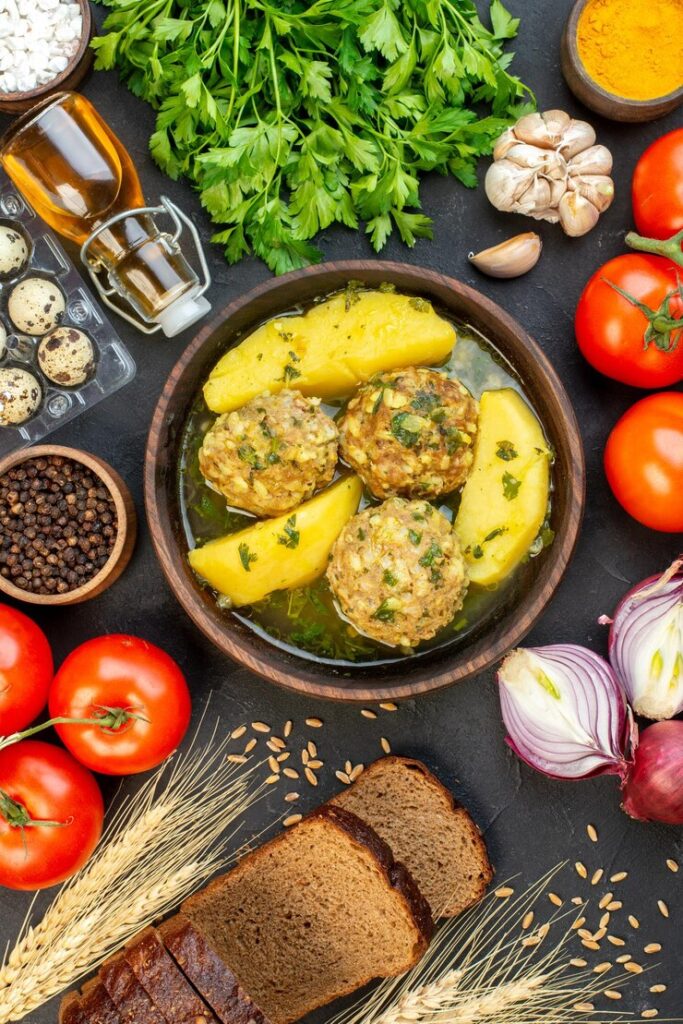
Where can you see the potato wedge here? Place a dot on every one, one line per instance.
(331, 348)
(505, 498)
(278, 554)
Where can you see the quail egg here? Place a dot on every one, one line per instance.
(20, 396)
(13, 251)
(36, 305)
(66, 356)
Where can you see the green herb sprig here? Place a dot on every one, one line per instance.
(290, 116)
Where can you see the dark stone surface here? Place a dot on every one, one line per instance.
(530, 822)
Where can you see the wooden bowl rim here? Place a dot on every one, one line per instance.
(267, 661)
(43, 90)
(669, 100)
(116, 487)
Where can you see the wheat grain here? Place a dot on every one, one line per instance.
(619, 877)
(652, 947)
(138, 872)
(388, 705)
(596, 876)
(287, 731)
(260, 727)
(649, 1013)
(672, 865)
(592, 833)
(314, 723)
(662, 907)
(657, 988)
(581, 869)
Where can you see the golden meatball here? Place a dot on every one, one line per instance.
(397, 572)
(271, 454)
(410, 432)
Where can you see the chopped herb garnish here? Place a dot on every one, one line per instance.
(477, 551)
(431, 554)
(352, 294)
(247, 453)
(406, 428)
(506, 451)
(496, 533)
(415, 537)
(389, 578)
(454, 440)
(286, 336)
(246, 556)
(259, 357)
(387, 287)
(293, 356)
(386, 612)
(418, 517)
(265, 429)
(291, 373)
(438, 415)
(290, 538)
(425, 401)
(361, 534)
(511, 486)
(421, 305)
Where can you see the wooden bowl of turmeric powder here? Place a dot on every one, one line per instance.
(624, 58)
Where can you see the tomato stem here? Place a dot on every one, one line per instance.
(669, 247)
(17, 816)
(108, 718)
(663, 328)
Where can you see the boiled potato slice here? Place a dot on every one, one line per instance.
(281, 553)
(505, 498)
(331, 348)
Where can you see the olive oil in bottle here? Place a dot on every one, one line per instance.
(80, 179)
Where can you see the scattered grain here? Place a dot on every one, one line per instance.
(584, 933)
(652, 947)
(619, 877)
(283, 757)
(305, 756)
(290, 797)
(607, 898)
(624, 958)
(663, 909)
(385, 745)
(348, 767)
(614, 905)
(504, 891)
(527, 920)
(657, 988)
(287, 731)
(596, 876)
(672, 865)
(584, 1007)
(291, 773)
(578, 961)
(589, 944)
(237, 758)
(315, 765)
(581, 869)
(531, 940)
(554, 898)
(579, 922)
(272, 779)
(611, 993)
(604, 920)
(649, 1013)
(250, 746)
(310, 776)
(236, 733)
(273, 765)
(592, 833)
(615, 940)
(292, 820)
(260, 727)
(577, 900)
(366, 713)
(601, 968)
(600, 934)
(389, 705)
(343, 777)
(633, 921)
(543, 930)
(633, 968)
(312, 748)
(314, 723)
(358, 770)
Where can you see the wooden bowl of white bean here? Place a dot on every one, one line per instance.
(44, 48)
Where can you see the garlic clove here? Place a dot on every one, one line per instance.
(504, 143)
(594, 160)
(597, 188)
(577, 136)
(577, 214)
(505, 182)
(542, 130)
(525, 155)
(511, 258)
(536, 200)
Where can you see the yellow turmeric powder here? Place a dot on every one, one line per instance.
(633, 48)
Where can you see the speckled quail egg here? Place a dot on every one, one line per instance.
(66, 356)
(13, 251)
(36, 305)
(20, 396)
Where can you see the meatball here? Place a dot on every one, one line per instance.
(397, 572)
(410, 432)
(271, 454)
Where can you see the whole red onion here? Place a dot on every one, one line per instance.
(653, 789)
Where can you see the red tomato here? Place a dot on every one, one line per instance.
(42, 783)
(611, 331)
(658, 187)
(25, 670)
(644, 461)
(134, 679)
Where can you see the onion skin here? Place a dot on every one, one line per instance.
(653, 789)
(646, 644)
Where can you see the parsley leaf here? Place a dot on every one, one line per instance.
(290, 538)
(406, 428)
(506, 451)
(246, 556)
(511, 486)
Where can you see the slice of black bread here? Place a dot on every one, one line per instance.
(429, 832)
(97, 1005)
(132, 1003)
(172, 994)
(71, 1010)
(213, 979)
(314, 914)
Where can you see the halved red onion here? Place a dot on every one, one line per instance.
(653, 790)
(646, 644)
(565, 712)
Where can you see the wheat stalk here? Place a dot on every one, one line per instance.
(477, 971)
(161, 845)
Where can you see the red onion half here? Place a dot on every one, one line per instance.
(646, 644)
(653, 790)
(565, 712)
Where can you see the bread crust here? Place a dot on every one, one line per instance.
(71, 1010)
(207, 972)
(165, 984)
(133, 1005)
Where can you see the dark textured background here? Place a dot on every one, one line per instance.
(530, 822)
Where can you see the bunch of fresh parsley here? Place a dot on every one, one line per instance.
(290, 115)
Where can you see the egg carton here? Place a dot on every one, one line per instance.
(113, 364)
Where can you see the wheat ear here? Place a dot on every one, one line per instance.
(161, 845)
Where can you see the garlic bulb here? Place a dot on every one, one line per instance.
(548, 167)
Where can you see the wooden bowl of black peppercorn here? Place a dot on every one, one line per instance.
(67, 525)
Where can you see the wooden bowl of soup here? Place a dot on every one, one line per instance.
(265, 582)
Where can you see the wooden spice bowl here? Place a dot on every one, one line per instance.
(396, 678)
(73, 74)
(593, 96)
(125, 534)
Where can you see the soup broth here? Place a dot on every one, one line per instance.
(306, 620)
